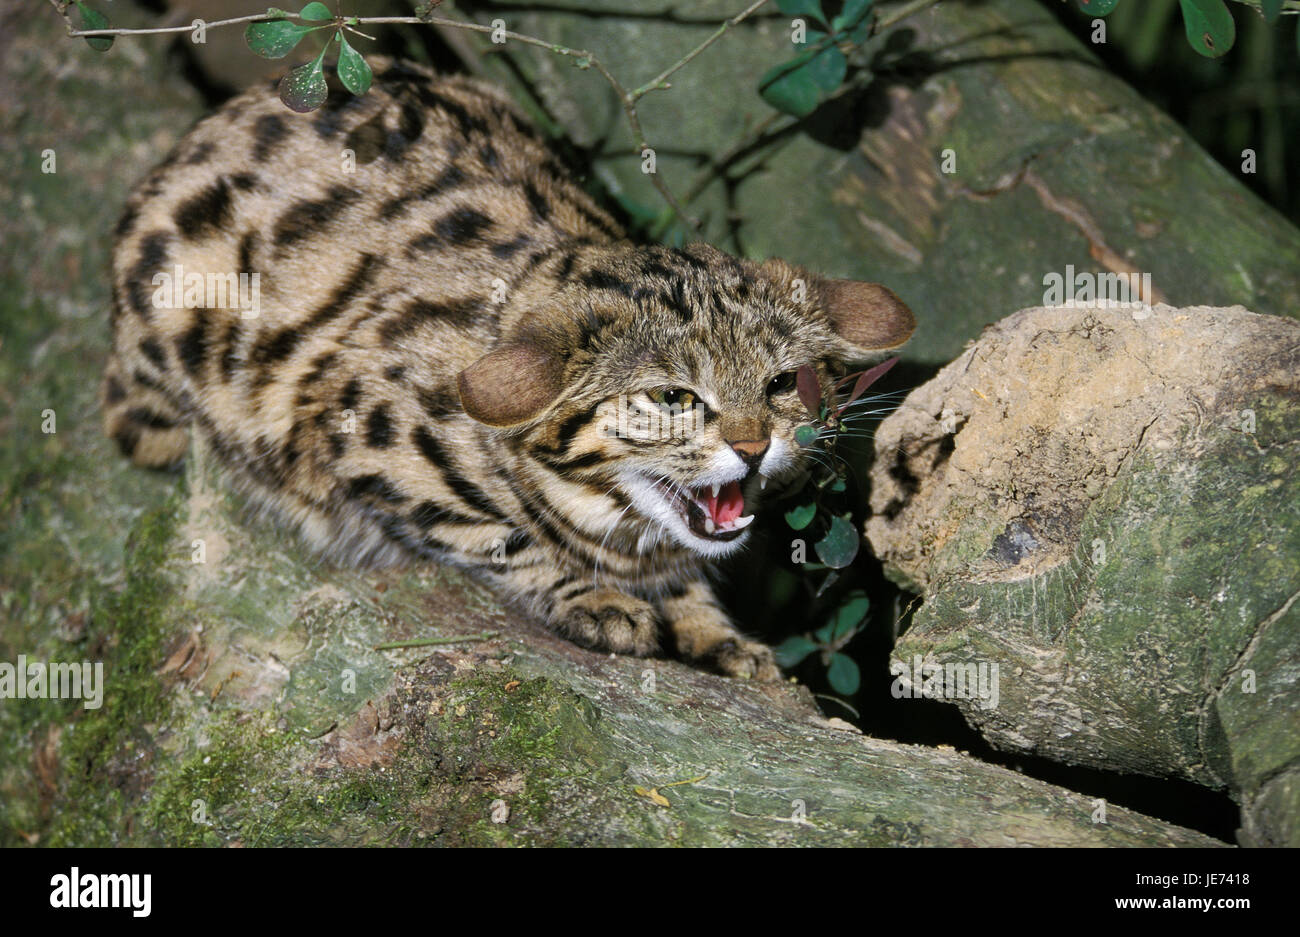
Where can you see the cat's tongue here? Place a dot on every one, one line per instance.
(727, 505)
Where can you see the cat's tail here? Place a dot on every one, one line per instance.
(139, 413)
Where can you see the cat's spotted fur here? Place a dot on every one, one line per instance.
(443, 338)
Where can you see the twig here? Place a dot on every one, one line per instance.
(658, 82)
(718, 167)
(582, 59)
(897, 16)
(433, 642)
(1290, 6)
(836, 699)
(62, 7)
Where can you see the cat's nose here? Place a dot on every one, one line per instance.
(749, 450)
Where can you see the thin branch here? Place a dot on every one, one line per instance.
(62, 7)
(897, 16)
(435, 642)
(660, 81)
(1290, 6)
(582, 59)
(718, 166)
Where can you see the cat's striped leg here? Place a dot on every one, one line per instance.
(594, 616)
(702, 633)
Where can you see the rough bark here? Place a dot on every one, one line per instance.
(1104, 503)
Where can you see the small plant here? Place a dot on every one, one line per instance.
(820, 506)
(799, 85)
(304, 88)
(832, 418)
(1209, 25)
(829, 640)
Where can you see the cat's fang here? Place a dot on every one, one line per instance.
(741, 523)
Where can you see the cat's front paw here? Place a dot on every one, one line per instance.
(608, 620)
(740, 657)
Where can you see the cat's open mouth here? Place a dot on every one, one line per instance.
(713, 512)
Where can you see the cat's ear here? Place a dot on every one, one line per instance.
(511, 384)
(866, 315)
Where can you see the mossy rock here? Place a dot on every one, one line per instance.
(1104, 503)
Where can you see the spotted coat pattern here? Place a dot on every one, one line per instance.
(444, 320)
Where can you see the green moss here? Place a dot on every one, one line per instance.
(537, 734)
(101, 751)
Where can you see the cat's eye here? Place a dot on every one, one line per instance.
(678, 398)
(781, 384)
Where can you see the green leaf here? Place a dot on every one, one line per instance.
(1210, 28)
(837, 486)
(811, 8)
(315, 12)
(844, 675)
(853, 13)
(805, 435)
(93, 19)
(1272, 9)
(840, 545)
(274, 39)
(828, 68)
(789, 88)
(1097, 7)
(800, 517)
(792, 650)
(304, 88)
(353, 70)
(850, 614)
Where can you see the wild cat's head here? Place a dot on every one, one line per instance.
(665, 378)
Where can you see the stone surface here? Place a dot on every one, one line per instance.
(1104, 502)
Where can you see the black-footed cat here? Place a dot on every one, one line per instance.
(450, 353)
